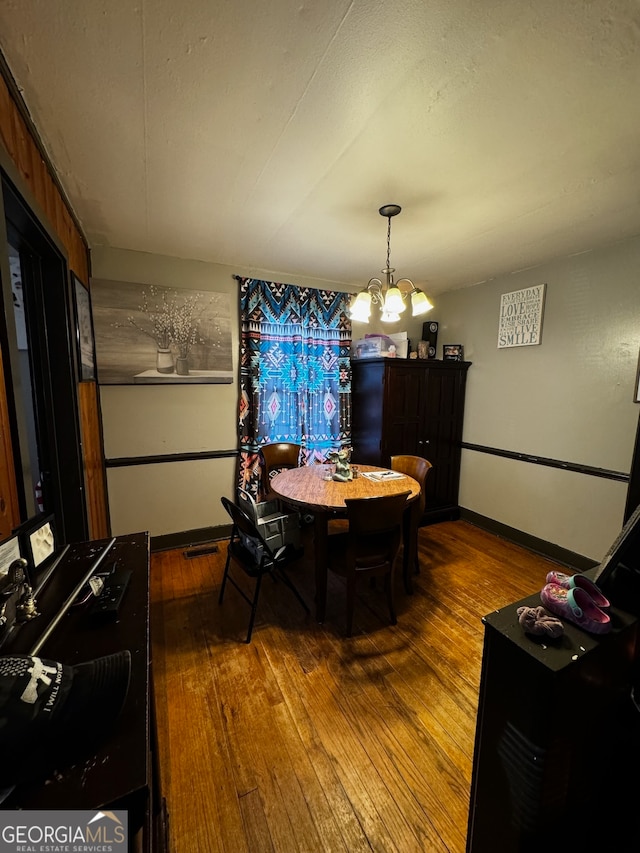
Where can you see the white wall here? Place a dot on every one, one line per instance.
(172, 497)
(570, 398)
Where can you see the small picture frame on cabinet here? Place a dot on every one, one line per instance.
(452, 352)
(38, 544)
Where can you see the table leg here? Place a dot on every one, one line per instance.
(410, 544)
(320, 530)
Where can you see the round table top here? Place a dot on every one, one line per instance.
(307, 487)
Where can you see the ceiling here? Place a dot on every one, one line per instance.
(266, 135)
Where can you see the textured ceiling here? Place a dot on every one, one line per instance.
(266, 135)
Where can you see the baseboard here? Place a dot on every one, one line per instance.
(189, 538)
(531, 543)
(204, 535)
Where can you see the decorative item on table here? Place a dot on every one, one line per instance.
(423, 349)
(340, 459)
(453, 352)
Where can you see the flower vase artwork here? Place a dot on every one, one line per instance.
(182, 362)
(164, 360)
(173, 326)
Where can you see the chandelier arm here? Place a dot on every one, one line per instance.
(374, 286)
(406, 295)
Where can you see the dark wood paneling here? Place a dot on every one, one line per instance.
(22, 146)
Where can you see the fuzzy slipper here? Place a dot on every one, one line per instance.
(580, 582)
(535, 620)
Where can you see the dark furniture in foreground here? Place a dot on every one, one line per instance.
(557, 749)
(412, 407)
(121, 771)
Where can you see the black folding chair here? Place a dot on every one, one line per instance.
(249, 550)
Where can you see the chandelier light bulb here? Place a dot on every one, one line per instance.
(360, 308)
(393, 301)
(419, 303)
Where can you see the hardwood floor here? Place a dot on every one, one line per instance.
(307, 741)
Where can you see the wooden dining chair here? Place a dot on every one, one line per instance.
(277, 457)
(251, 553)
(417, 467)
(370, 546)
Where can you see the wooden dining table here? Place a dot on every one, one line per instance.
(311, 489)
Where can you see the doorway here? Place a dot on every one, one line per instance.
(40, 363)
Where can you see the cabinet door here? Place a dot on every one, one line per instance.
(403, 411)
(441, 434)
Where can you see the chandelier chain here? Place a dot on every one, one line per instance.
(388, 242)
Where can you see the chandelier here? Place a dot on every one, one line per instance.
(388, 296)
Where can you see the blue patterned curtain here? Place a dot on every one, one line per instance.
(295, 374)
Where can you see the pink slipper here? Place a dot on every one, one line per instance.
(580, 581)
(576, 606)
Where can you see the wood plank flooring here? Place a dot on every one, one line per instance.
(305, 740)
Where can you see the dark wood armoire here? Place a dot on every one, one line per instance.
(412, 406)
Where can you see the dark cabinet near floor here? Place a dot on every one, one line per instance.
(412, 406)
(121, 770)
(557, 744)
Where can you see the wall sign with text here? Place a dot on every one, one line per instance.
(520, 322)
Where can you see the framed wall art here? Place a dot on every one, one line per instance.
(84, 330)
(520, 321)
(148, 334)
(636, 388)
